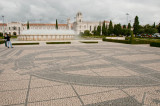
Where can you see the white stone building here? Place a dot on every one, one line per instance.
(80, 26)
(15, 28)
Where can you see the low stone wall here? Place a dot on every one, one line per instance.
(118, 38)
(44, 37)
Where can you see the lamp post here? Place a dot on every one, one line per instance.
(127, 17)
(3, 25)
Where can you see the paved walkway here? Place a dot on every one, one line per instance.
(104, 74)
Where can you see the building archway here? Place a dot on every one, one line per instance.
(14, 33)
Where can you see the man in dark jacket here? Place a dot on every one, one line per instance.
(9, 42)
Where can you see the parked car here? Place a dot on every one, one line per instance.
(157, 34)
(153, 36)
(139, 36)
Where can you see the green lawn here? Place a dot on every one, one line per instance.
(148, 39)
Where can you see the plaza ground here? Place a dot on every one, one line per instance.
(77, 74)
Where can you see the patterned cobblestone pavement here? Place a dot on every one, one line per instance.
(104, 74)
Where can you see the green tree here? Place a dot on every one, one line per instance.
(151, 30)
(27, 24)
(117, 29)
(129, 26)
(56, 24)
(124, 26)
(124, 31)
(141, 29)
(87, 33)
(147, 26)
(98, 32)
(158, 27)
(128, 32)
(104, 29)
(110, 29)
(94, 31)
(1, 34)
(81, 33)
(136, 25)
(132, 38)
(154, 25)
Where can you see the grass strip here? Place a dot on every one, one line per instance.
(89, 42)
(58, 42)
(25, 43)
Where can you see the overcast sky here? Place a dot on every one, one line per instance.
(47, 11)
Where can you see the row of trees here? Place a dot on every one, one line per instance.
(119, 29)
(146, 29)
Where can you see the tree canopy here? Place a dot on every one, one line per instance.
(56, 24)
(110, 29)
(27, 24)
(136, 25)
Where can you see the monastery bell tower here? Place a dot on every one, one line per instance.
(79, 17)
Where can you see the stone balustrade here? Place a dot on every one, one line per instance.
(44, 37)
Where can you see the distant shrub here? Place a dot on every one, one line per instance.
(141, 42)
(1, 42)
(127, 41)
(117, 41)
(13, 36)
(155, 44)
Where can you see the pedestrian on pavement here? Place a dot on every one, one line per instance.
(5, 39)
(8, 41)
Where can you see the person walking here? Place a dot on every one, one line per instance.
(5, 39)
(9, 42)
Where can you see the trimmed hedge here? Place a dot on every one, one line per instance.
(141, 42)
(1, 41)
(117, 41)
(128, 41)
(58, 42)
(155, 44)
(89, 41)
(25, 43)
(13, 36)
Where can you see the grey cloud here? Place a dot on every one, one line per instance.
(93, 10)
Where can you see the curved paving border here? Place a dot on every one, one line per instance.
(57, 71)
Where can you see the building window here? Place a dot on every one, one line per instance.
(9, 28)
(14, 28)
(90, 28)
(19, 29)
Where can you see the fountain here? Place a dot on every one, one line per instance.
(46, 35)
